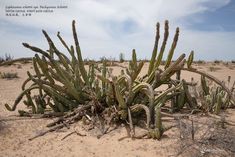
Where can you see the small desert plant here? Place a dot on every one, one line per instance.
(200, 62)
(19, 66)
(8, 75)
(233, 61)
(121, 57)
(217, 61)
(103, 58)
(7, 57)
(213, 69)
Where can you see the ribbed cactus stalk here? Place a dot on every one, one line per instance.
(172, 49)
(79, 55)
(218, 104)
(155, 48)
(158, 121)
(204, 85)
(190, 59)
(160, 55)
(18, 99)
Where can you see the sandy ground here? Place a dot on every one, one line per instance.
(15, 131)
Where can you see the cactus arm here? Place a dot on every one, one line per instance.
(44, 68)
(92, 74)
(80, 60)
(18, 99)
(205, 88)
(132, 131)
(166, 72)
(62, 58)
(74, 59)
(172, 49)
(120, 99)
(134, 59)
(218, 104)
(104, 73)
(172, 67)
(25, 83)
(57, 105)
(163, 94)
(36, 49)
(65, 81)
(160, 55)
(137, 71)
(181, 99)
(63, 42)
(190, 59)
(61, 98)
(137, 107)
(158, 121)
(30, 102)
(154, 53)
(36, 69)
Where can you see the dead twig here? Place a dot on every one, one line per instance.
(72, 133)
(47, 131)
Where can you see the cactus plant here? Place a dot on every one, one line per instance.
(64, 85)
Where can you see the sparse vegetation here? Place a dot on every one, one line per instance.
(97, 96)
(213, 69)
(121, 57)
(217, 61)
(12, 61)
(9, 75)
(7, 57)
(200, 62)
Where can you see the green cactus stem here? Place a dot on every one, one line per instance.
(172, 49)
(44, 68)
(120, 99)
(36, 68)
(181, 99)
(63, 42)
(30, 102)
(36, 49)
(218, 104)
(79, 55)
(173, 67)
(18, 99)
(155, 48)
(160, 55)
(164, 93)
(190, 59)
(104, 75)
(158, 121)
(205, 88)
(138, 107)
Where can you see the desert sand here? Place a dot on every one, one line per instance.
(210, 138)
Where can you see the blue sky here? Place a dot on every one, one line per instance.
(106, 27)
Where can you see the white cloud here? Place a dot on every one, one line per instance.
(101, 26)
